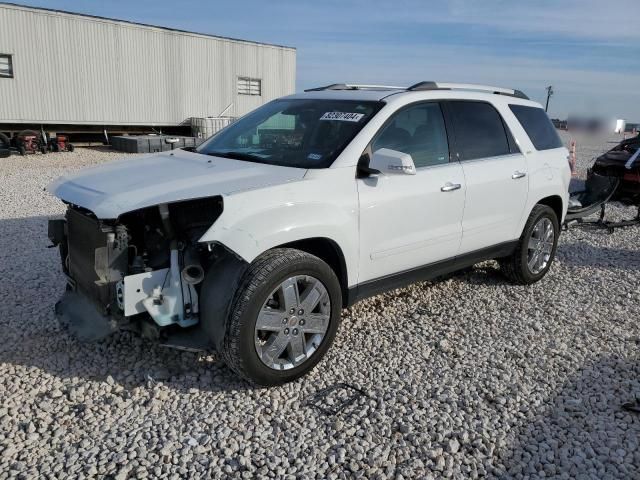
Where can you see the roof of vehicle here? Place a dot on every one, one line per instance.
(422, 90)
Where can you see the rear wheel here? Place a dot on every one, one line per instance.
(536, 248)
(284, 317)
(70, 147)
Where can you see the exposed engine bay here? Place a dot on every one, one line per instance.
(143, 269)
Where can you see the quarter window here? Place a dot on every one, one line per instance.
(6, 66)
(418, 130)
(536, 123)
(249, 86)
(479, 130)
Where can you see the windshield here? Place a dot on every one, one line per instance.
(293, 133)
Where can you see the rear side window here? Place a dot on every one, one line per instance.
(479, 130)
(536, 123)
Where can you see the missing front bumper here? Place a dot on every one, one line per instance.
(82, 318)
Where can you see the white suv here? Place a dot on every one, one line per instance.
(253, 242)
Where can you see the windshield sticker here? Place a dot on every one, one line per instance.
(314, 156)
(342, 116)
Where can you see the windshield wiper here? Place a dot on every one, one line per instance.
(237, 156)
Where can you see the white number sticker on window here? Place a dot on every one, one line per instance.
(342, 116)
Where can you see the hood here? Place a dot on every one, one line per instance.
(114, 188)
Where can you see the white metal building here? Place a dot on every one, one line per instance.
(70, 69)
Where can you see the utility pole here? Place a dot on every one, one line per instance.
(549, 93)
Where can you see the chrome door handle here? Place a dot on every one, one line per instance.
(450, 187)
(518, 174)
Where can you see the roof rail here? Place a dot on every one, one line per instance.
(421, 86)
(353, 86)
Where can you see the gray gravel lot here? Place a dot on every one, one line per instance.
(466, 377)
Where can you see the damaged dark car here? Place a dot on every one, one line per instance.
(623, 163)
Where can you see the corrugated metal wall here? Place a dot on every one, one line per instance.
(75, 69)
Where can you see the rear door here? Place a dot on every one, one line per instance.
(408, 221)
(495, 174)
(549, 172)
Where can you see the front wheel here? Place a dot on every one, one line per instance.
(536, 248)
(284, 317)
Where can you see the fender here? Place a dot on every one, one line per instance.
(324, 204)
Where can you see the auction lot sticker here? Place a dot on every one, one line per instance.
(342, 116)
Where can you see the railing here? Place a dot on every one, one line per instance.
(204, 127)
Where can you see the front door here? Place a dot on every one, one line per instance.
(408, 221)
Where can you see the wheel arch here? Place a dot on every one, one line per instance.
(555, 203)
(329, 252)
(224, 275)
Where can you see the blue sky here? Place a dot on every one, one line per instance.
(589, 50)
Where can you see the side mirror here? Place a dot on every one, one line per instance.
(391, 162)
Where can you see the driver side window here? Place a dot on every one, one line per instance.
(418, 130)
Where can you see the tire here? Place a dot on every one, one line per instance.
(43, 149)
(70, 147)
(246, 350)
(22, 150)
(4, 141)
(517, 266)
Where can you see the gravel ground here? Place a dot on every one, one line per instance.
(464, 378)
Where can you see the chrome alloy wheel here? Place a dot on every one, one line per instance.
(540, 245)
(292, 322)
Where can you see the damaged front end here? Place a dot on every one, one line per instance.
(141, 271)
